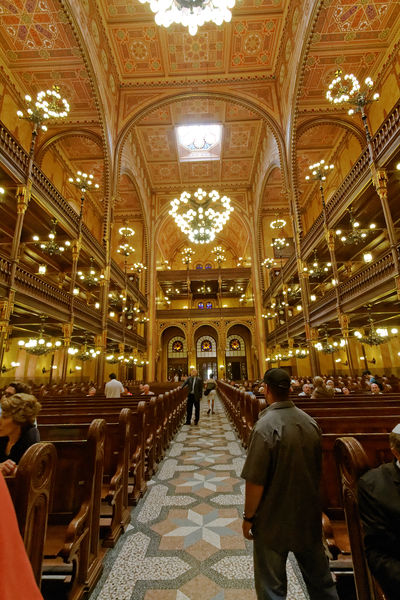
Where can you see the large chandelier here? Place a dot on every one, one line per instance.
(191, 13)
(201, 217)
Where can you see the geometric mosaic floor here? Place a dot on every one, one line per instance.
(185, 539)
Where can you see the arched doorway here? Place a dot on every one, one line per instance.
(238, 353)
(206, 345)
(173, 357)
(176, 358)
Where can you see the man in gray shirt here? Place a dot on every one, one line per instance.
(282, 505)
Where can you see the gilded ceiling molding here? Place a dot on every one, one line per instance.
(85, 133)
(292, 165)
(127, 171)
(260, 215)
(328, 120)
(66, 4)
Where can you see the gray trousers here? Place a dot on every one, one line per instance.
(271, 579)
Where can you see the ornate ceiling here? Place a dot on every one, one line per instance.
(130, 83)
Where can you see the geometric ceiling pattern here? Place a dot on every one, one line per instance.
(113, 63)
(242, 133)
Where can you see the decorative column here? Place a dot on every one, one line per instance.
(379, 180)
(67, 334)
(6, 308)
(305, 301)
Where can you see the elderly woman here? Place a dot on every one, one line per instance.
(17, 429)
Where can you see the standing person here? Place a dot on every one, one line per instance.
(113, 388)
(282, 505)
(211, 392)
(195, 385)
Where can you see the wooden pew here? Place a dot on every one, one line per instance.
(74, 517)
(115, 513)
(30, 489)
(352, 463)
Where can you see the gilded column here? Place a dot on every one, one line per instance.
(67, 334)
(379, 180)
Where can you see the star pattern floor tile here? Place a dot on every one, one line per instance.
(185, 541)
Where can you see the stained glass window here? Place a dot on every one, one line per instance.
(177, 346)
(200, 305)
(206, 346)
(209, 305)
(234, 344)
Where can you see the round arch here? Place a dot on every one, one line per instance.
(86, 133)
(327, 120)
(170, 366)
(243, 101)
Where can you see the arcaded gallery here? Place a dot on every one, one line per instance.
(193, 192)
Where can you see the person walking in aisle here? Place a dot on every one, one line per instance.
(211, 392)
(195, 385)
(282, 510)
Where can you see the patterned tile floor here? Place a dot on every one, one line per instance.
(185, 541)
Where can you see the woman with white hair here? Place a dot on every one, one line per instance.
(17, 429)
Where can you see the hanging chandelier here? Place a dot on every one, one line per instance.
(125, 248)
(191, 13)
(91, 278)
(347, 89)
(326, 347)
(38, 345)
(51, 247)
(375, 336)
(201, 217)
(317, 269)
(355, 235)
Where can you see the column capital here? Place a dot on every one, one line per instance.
(23, 196)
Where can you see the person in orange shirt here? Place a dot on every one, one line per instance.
(16, 577)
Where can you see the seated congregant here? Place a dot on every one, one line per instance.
(379, 505)
(321, 391)
(306, 391)
(374, 389)
(17, 387)
(146, 390)
(17, 429)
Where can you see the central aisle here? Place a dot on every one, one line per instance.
(185, 540)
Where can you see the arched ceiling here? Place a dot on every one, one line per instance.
(124, 74)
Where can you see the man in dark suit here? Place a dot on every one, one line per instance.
(379, 505)
(195, 385)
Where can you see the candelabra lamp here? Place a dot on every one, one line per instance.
(83, 182)
(187, 254)
(49, 104)
(346, 89)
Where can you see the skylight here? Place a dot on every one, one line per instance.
(199, 142)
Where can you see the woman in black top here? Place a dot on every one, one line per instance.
(17, 429)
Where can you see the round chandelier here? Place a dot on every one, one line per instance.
(201, 217)
(191, 13)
